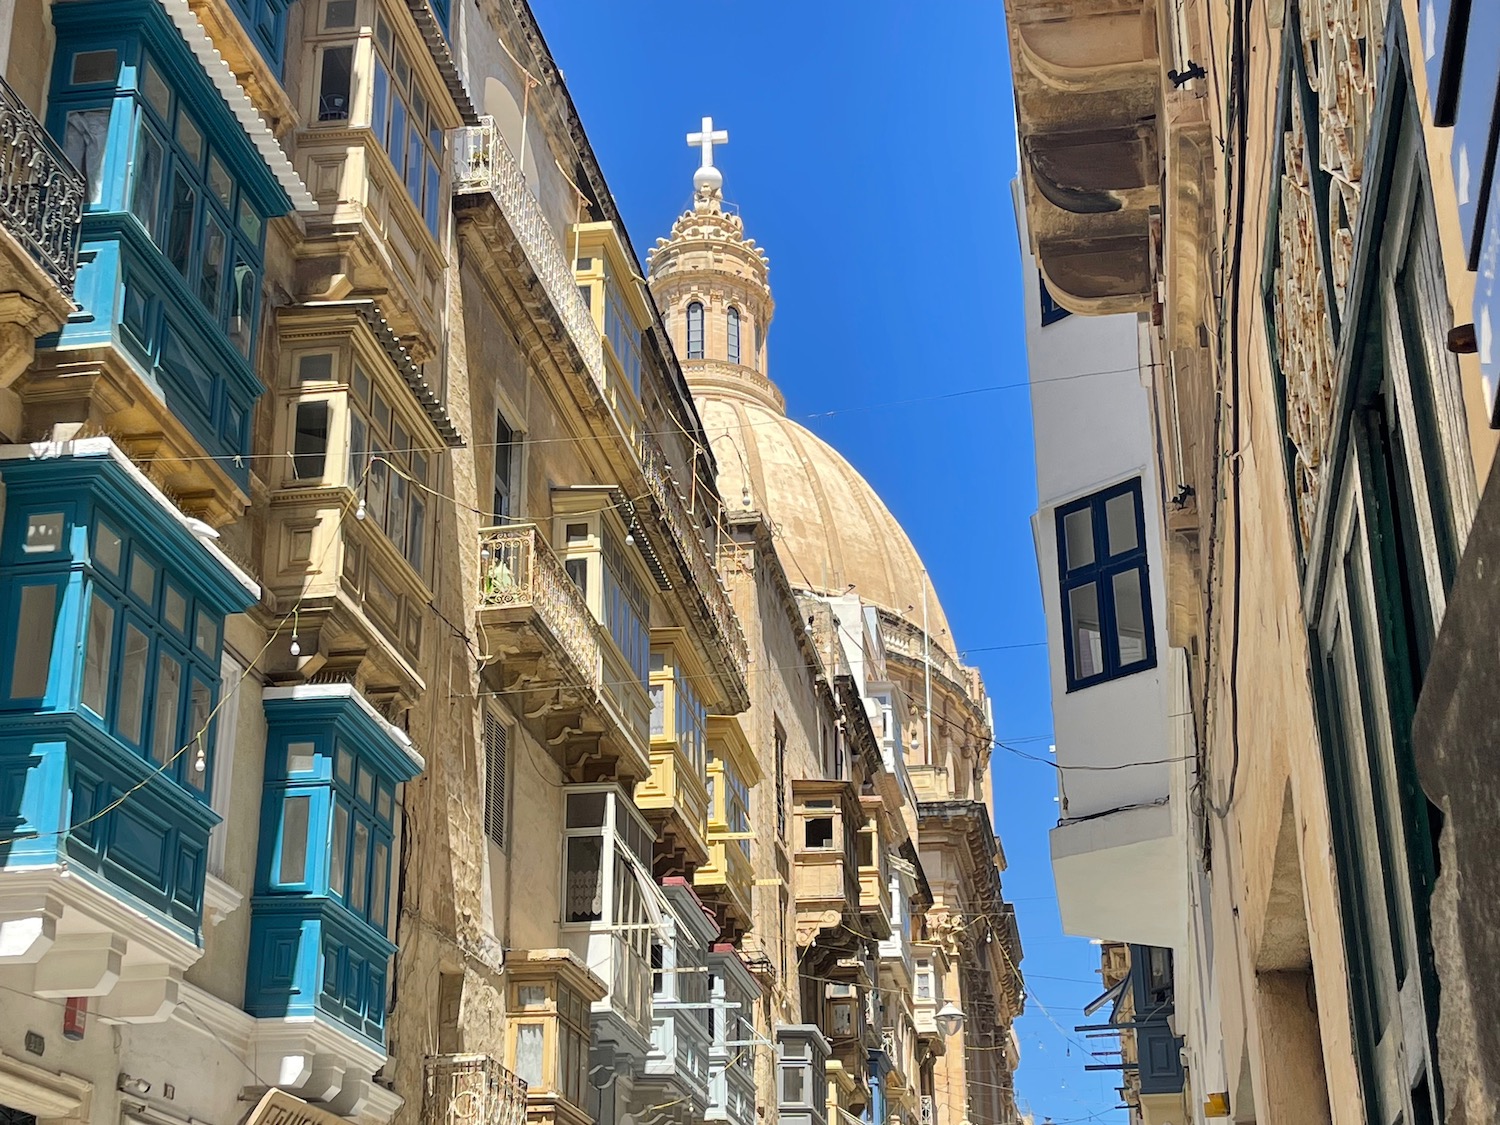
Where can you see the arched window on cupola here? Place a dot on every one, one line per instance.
(695, 330)
(733, 327)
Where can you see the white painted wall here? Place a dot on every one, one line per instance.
(1091, 419)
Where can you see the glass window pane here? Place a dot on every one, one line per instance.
(1078, 534)
(131, 709)
(585, 883)
(242, 291)
(381, 103)
(249, 222)
(384, 804)
(380, 878)
(345, 766)
(92, 67)
(586, 810)
(1130, 617)
(165, 742)
(338, 853)
(221, 182)
(200, 712)
(359, 446)
(35, 622)
(85, 132)
(358, 873)
(1119, 515)
(295, 813)
(175, 612)
(206, 636)
(145, 188)
(1088, 644)
(415, 533)
(528, 1066)
(339, 13)
(156, 90)
(658, 710)
(98, 646)
(315, 368)
(211, 280)
(143, 578)
(299, 757)
(793, 1085)
(179, 248)
(333, 90)
(107, 548)
(396, 525)
(190, 137)
(366, 787)
(310, 442)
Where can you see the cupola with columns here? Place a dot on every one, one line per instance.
(712, 283)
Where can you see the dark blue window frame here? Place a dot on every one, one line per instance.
(1052, 312)
(1098, 572)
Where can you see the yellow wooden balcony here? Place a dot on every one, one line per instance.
(874, 872)
(825, 872)
(726, 880)
(547, 999)
(675, 797)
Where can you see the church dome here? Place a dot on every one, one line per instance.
(832, 531)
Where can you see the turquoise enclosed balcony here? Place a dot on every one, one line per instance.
(112, 604)
(320, 949)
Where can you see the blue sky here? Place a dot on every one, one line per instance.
(872, 145)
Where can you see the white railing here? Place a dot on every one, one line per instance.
(518, 569)
(928, 1110)
(471, 1090)
(482, 162)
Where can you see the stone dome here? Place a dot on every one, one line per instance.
(831, 529)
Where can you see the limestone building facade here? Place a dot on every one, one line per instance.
(395, 725)
(1265, 231)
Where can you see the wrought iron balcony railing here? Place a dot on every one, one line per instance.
(471, 1090)
(41, 193)
(483, 163)
(928, 1110)
(517, 569)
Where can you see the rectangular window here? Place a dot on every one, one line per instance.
(528, 1066)
(35, 619)
(131, 709)
(211, 277)
(295, 812)
(585, 884)
(145, 191)
(200, 714)
(1105, 590)
(168, 697)
(338, 859)
(98, 648)
(506, 455)
(85, 132)
(333, 89)
(180, 214)
(310, 443)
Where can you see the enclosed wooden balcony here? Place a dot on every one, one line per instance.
(726, 881)
(874, 869)
(41, 201)
(547, 999)
(542, 644)
(675, 797)
(825, 869)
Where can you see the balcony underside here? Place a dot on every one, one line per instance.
(1123, 876)
(1088, 102)
(555, 698)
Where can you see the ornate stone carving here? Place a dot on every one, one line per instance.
(1304, 336)
(1341, 42)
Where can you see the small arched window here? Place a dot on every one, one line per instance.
(733, 326)
(695, 330)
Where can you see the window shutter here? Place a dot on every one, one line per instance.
(496, 738)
